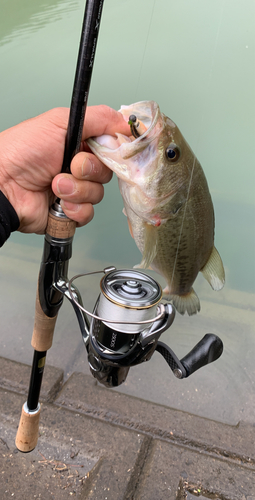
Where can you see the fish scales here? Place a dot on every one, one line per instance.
(167, 203)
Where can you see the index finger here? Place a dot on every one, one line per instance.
(100, 120)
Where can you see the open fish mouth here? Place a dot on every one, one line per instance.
(135, 159)
(148, 114)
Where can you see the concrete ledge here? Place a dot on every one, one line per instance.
(81, 393)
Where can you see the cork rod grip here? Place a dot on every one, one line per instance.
(43, 328)
(28, 430)
(58, 228)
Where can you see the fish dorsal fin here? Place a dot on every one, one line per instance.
(150, 245)
(213, 271)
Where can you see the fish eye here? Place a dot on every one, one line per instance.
(172, 153)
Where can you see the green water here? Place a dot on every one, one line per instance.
(196, 58)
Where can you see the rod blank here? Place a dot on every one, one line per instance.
(85, 62)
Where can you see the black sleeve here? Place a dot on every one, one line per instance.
(9, 220)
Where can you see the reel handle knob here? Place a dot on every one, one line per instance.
(207, 350)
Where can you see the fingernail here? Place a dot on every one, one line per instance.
(86, 168)
(65, 186)
(71, 207)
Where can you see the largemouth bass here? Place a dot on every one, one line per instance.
(167, 202)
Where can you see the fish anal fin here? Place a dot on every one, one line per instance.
(138, 266)
(188, 302)
(213, 271)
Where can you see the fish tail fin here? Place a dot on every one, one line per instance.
(213, 271)
(188, 302)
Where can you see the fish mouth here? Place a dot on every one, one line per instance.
(148, 113)
(133, 159)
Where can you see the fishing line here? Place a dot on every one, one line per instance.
(200, 133)
(145, 47)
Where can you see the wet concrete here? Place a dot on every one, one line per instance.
(99, 444)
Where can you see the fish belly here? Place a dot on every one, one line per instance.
(183, 246)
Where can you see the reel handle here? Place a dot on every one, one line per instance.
(207, 350)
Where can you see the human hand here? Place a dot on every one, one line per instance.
(31, 156)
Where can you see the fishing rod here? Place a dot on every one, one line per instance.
(59, 233)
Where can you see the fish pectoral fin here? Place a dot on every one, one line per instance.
(187, 302)
(129, 223)
(213, 271)
(150, 245)
(130, 228)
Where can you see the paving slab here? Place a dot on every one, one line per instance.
(16, 376)
(75, 455)
(178, 473)
(82, 393)
(98, 444)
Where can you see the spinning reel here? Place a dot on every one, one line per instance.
(127, 322)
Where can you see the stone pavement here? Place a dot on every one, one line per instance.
(96, 443)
